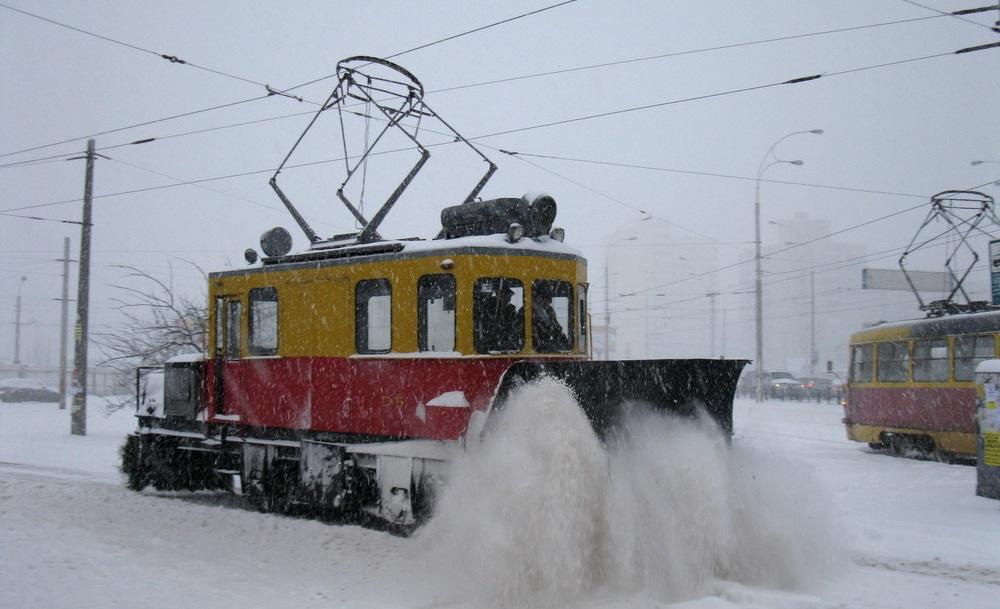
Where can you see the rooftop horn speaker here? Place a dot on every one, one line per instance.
(276, 242)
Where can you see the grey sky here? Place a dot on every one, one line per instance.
(910, 129)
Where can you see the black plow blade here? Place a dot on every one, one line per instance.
(606, 389)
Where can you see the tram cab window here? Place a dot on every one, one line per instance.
(969, 351)
(234, 308)
(861, 364)
(551, 316)
(893, 361)
(263, 321)
(498, 315)
(373, 316)
(581, 294)
(436, 313)
(930, 360)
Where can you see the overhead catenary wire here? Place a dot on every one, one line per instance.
(721, 47)
(505, 132)
(270, 91)
(135, 125)
(171, 58)
(442, 40)
(594, 66)
(959, 15)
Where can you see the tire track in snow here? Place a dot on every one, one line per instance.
(970, 572)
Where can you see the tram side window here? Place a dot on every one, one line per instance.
(861, 364)
(498, 315)
(436, 313)
(893, 361)
(233, 330)
(263, 321)
(373, 316)
(930, 360)
(551, 316)
(969, 351)
(581, 294)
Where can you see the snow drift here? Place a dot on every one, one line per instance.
(544, 514)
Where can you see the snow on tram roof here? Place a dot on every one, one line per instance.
(545, 244)
(961, 323)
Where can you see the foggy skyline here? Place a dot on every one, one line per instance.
(680, 137)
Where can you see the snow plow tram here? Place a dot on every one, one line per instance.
(342, 379)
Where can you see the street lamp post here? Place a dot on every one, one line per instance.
(607, 281)
(769, 160)
(17, 323)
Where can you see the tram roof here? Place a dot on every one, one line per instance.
(392, 250)
(964, 323)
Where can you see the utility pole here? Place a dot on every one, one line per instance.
(78, 414)
(812, 323)
(64, 325)
(17, 323)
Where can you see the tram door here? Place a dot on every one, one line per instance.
(228, 310)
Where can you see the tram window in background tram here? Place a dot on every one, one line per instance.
(263, 321)
(930, 360)
(551, 316)
(969, 351)
(373, 316)
(436, 313)
(498, 315)
(233, 329)
(893, 361)
(581, 294)
(861, 364)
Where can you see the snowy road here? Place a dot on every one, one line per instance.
(914, 534)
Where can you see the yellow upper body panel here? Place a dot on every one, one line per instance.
(316, 297)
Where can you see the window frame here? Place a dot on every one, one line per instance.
(919, 363)
(426, 283)
(870, 361)
(905, 361)
(364, 291)
(554, 287)
(973, 360)
(233, 350)
(478, 315)
(262, 295)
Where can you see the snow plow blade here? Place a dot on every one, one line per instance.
(607, 389)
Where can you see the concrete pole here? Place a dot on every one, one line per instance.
(17, 323)
(78, 414)
(64, 324)
(812, 323)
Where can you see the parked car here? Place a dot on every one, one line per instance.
(26, 390)
(817, 388)
(785, 389)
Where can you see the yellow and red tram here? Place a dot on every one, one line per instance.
(911, 386)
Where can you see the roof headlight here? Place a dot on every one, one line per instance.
(515, 232)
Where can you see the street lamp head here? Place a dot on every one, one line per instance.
(797, 162)
(974, 163)
(816, 131)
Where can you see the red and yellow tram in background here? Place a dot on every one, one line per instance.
(911, 386)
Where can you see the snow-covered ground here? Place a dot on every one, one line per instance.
(795, 516)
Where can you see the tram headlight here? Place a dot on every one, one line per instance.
(515, 232)
(558, 234)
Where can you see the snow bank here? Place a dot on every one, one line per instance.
(544, 515)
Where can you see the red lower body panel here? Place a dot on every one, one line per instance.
(379, 397)
(932, 409)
